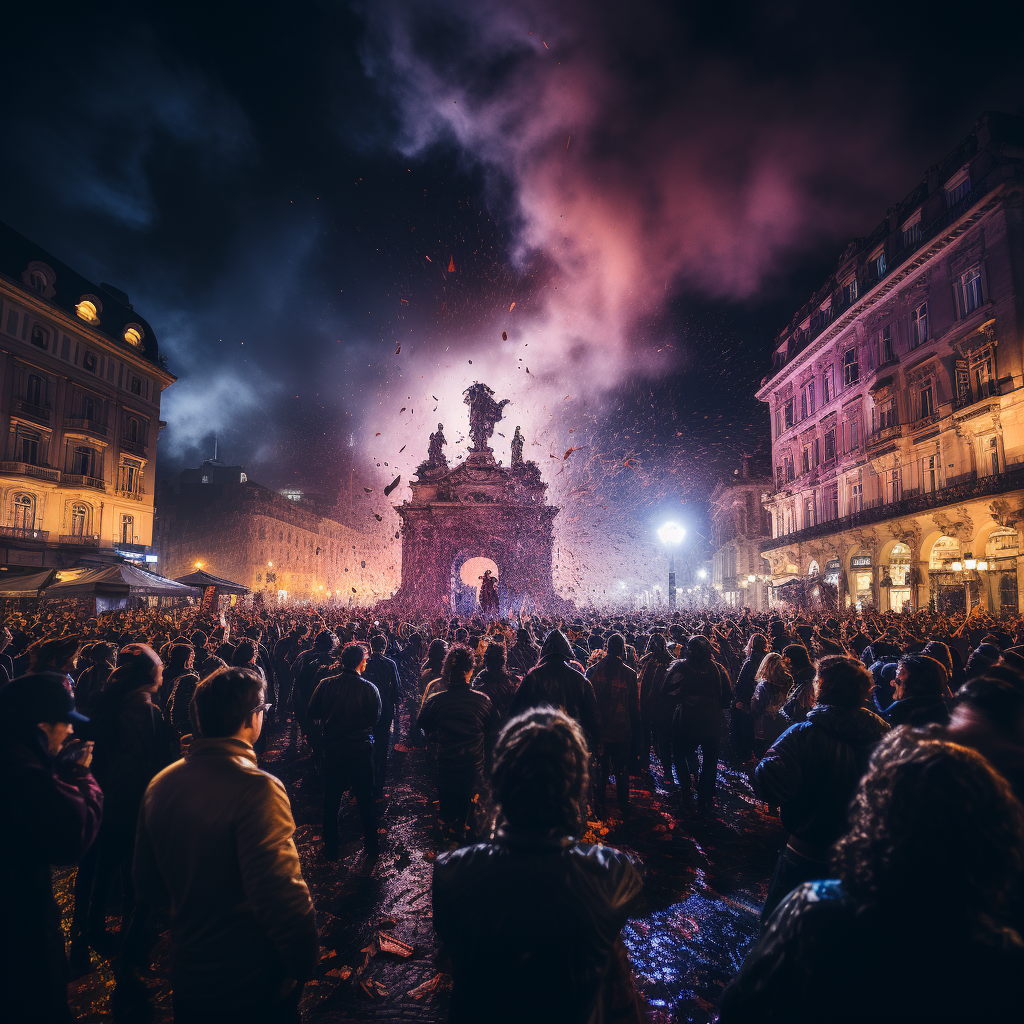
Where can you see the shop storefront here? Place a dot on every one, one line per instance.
(948, 592)
(1001, 552)
(861, 590)
(896, 578)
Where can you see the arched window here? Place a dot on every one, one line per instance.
(133, 335)
(40, 337)
(24, 512)
(88, 310)
(37, 280)
(131, 430)
(127, 529)
(34, 390)
(88, 408)
(79, 518)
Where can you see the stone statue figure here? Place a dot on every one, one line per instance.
(517, 448)
(484, 413)
(435, 449)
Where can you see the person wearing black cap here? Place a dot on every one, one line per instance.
(51, 807)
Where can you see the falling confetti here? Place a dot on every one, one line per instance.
(451, 265)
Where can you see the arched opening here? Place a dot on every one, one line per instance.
(467, 573)
(812, 569)
(945, 575)
(1001, 550)
(897, 575)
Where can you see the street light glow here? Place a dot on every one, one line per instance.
(671, 533)
(702, 573)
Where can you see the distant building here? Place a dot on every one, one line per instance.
(896, 398)
(276, 545)
(739, 524)
(80, 384)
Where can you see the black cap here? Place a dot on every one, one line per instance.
(39, 697)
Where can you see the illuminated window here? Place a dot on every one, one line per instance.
(127, 529)
(968, 291)
(133, 335)
(24, 512)
(87, 310)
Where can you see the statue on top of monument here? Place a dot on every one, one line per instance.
(484, 413)
(436, 457)
(517, 448)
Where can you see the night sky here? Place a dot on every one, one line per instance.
(291, 192)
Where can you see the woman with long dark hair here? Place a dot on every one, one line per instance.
(743, 694)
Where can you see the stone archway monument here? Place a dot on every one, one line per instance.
(475, 509)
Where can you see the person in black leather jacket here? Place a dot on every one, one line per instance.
(812, 770)
(348, 708)
(927, 870)
(383, 673)
(555, 683)
(463, 721)
(532, 919)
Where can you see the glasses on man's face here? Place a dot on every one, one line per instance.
(260, 707)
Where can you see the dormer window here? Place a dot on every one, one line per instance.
(911, 230)
(957, 187)
(40, 337)
(878, 263)
(89, 309)
(40, 278)
(134, 334)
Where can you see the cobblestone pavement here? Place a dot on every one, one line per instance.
(704, 883)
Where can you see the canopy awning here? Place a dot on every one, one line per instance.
(24, 586)
(118, 578)
(203, 579)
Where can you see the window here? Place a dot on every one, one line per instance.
(809, 517)
(88, 408)
(136, 386)
(24, 512)
(885, 351)
(28, 450)
(131, 431)
(828, 385)
(968, 291)
(87, 309)
(34, 391)
(957, 189)
(981, 374)
(893, 485)
(856, 498)
(930, 474)
(927, 404)
(79, 515)
(133, 335)
(807, 400)
(993, 454)
(40, 338)
(89, 362)
(130, 472)
(37, 281)
(805, 459)
(830, 445)
(83, 461)
(850, 292)
(919, 325)
(911, 234)
(790, 473)
(885, 414)
(788, 414)
(830, 503)
(878, 264)
(851, 371)
(127, 529)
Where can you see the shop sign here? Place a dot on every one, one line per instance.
(832, 565)
(860, 562)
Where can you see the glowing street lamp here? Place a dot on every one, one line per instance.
(702, 574)
(671, 535)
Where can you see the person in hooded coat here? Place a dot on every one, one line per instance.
(746, 682)
(523, 654)
(654, 728)
(800, 699)
(495, 681)
(554, 682)
(812, 770)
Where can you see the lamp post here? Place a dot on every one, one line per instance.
(670, 535)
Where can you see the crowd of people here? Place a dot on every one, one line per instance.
(891, 748)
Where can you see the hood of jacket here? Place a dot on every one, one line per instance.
(856, 726)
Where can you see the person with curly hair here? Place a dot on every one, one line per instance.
(927, 871)
(532, 918)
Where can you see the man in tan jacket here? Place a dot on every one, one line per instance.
(215, 844)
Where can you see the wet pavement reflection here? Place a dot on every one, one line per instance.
(705, 879)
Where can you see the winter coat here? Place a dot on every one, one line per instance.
(383, 673)
(531, 922)
(800, 699)
(698, 690)
(349, 707)
(917, 711)
(89, 686)
(215, 844)
(818, 961)
(50, 809)
(560, 685)
(463, 721)
(522, 657)
(812, 770)
(766, 710)
(618, 700)
(653, 667)
(500, 688)
(178, 712)
(746, 682)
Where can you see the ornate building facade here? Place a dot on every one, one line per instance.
(739, 524)
(285, 548)
(897, 399)
(80, 385)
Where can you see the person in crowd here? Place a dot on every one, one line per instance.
(523, 654)
(618, 712)
(463, 722)
(56, 654)
(773, 685)
(800, 698)
(495, 681)
(921, 692)
(180, 661)
(132, 745)
(286, 650)
(931, 859)
(6, 661)
(742, 719)
(409, 660)
(205, 661)
(532, 918)
(554, 682)
(309, 668)
(811, 772)
(383, 673)
(91, 682)
(654, 731)
(51, 807)
(348, 708)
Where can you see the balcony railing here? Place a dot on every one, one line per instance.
(27, 469)
(89, 426)
(135, 447)
(85, 540)
(80, 480)
(884, 434)
(139, 495)
(963, 488)
(24, 533)
(38, 413)
(926, 421)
